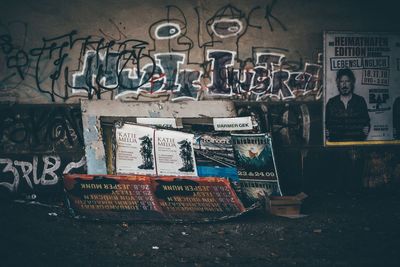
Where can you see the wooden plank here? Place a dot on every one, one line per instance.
(92, 111)
(193, 109)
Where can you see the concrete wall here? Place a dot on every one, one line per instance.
(58, 52)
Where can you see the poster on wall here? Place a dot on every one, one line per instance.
(362, 88)
(255, 163)
(134, 151)
(174, 153)
(147, 151)
(214, 155)
(213, 146)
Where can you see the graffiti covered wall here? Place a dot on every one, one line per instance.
(58, 52)
(38, 144)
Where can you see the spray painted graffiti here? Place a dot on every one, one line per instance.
(16, 59)
(270, 17)
(15, 63)
(48, 64)
(113, 65)
(46, 170)
(225, 27)
(38, 144)
(171, 32)
(40, 129)
(265, 79)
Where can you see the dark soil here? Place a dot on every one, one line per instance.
(360, 229)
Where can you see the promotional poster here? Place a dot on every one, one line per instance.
(362, 88)
(134, 151)
(255, 163)
(214, 155)
(174, 153)
(145, 198)
(147, 151)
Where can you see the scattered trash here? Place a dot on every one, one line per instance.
(184, 233)
(295, 216)
(183, 245)
(286, 206)
(52, 214)
(138, 254)
(273, 254)
(29, 202)
(30, 197)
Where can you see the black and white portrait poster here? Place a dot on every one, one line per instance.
(362, 88)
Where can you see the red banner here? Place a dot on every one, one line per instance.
(141, 198)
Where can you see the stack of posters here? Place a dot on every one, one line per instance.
(145, 198)
(246, 159)
(213, 147)
(147, 151)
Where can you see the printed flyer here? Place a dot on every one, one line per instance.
(147, 151)
(174, 153)
(134, 151)
(256, 163)
(233, 124)
(362, 92)
(214, 155)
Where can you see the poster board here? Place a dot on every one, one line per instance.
(134, 152)
(372, 115)
(214, 155)
(174, 153)
(145, 198)
(148, 151)
(94, 111)
(256, 165)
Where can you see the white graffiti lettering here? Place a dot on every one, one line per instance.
(13, 171)
(10, 168)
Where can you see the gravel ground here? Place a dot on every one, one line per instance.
(358, 229)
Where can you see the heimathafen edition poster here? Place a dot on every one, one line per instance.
(362, 88)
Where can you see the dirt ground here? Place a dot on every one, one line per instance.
(352, 229)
